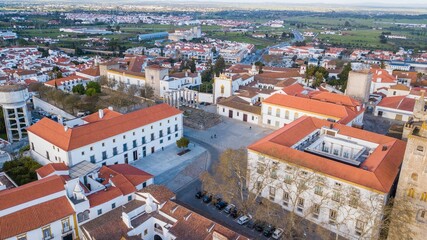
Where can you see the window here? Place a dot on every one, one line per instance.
(145, 232)
(99, 211)
(133, 133)
(332, 216)
(272, 193)
(411, 192)
(286, 114)
(91, 148)
(47, 155)
(277, 124)
(21, 237)
(32, 146)
(285, 198)
(296, 116)
(134, 143)
(268, 121)
(420, 148)
(114, 151)
(345, 154)
(125, 147)
(143, 140)
(414, 176)
(161, 133)
(318, 190)
(273, 173)
(113, 205)
(104, 155)
(66, 225)
(278, 112)
(261, 168)
(47, 234)
(359, 227)
(124, 136)
(114, 140)
(300, 204)
(169, 130)
(92, 159)
(336, 152)
(336, 196)
(176, 127)
(316, 210)
(103, 144)
(269, 109)
(152, 136)
(222, 89)
(424, 197)
(354, 201)
(288, 179)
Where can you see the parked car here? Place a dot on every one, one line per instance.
(259, 226)
(268, 231)
(216, 200)
(221, 205)
(250, 224)
(200, 194)
(244, 219)
(234, 213)
(207, 198)
(277, 233)
(229, 208)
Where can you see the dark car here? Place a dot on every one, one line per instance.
(207, 198)
(234, 213)
(216, 200)
(200, 194)
(221, 205)
(250, 224)
(259, 226)
(268, 231)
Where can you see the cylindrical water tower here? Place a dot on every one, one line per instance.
(13, 99)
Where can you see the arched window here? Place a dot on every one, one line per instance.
(424, 197)
(414, 176)
(222, 89)
(80, 217)
(269, 110)
(411, 192)
(278, 112)
(286, 114)
(158, 228)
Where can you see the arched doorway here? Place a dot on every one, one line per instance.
(157, 237)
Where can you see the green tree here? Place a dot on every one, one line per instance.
(94, 85)
(219, 66)
(192, 66)
(22, 170)
(79, 88)
(90, 92)
(182, 142)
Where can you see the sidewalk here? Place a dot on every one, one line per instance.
(166, 165)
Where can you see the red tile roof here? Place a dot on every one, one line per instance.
(133, 174)
(31, 191)
(336, 98)
(83, 135)
(108, 114)
(60, 81)
(398, 102)
(51, 168)
(94, 71)
(104, 196)
(377, 172)
(383, 75)
(341, 112)
(34, 217)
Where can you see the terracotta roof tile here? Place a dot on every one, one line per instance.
(83, 135)
(133, 174)
(377, 172)
(31, 191)
(398, 102)
(104, 196)
(34, 217)
(238, 103)
(160, 193)
(51, 168)
(108, 114)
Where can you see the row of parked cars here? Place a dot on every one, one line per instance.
(267, 230)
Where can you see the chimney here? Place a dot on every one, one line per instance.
(110, 108)
(65, 128)
(101, 113)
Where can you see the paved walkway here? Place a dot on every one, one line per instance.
(229, 133)
(168, 168)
